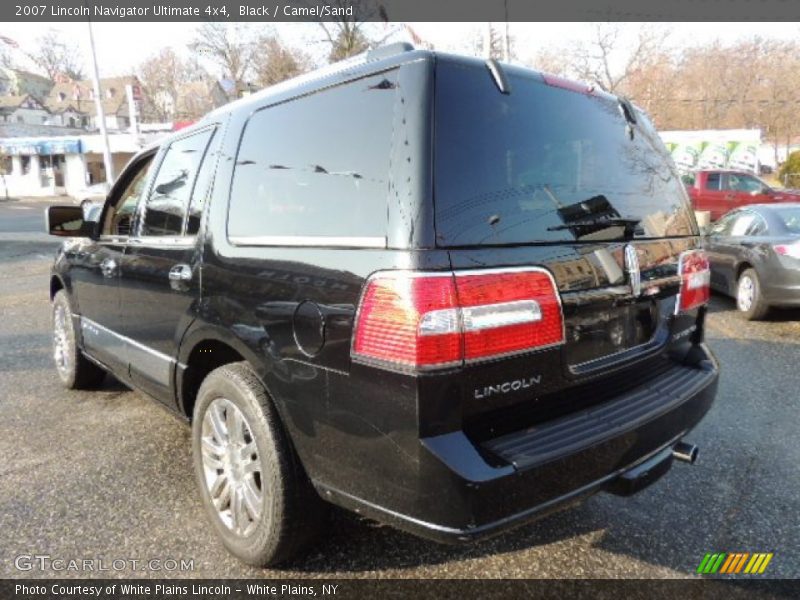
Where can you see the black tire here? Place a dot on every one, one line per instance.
(75, 371)
(752, 308)
(292, 513)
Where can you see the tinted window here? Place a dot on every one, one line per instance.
(536, 164)
(120, 215)
(714, 181)
(745, 183)
(317, 165)
(759, 227)
(169, 197)
(202, 188)
(724, 225)
(743, 224)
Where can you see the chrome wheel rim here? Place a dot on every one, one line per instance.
(232, 467)
(61, 353)
(746, 293)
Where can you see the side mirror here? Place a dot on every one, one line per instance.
(67, 221)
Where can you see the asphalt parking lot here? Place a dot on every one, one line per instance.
(107, 474)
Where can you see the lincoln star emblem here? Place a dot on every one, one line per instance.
(632, 267)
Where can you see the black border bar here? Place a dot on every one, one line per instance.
(397, 10)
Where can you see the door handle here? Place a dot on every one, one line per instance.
(180, 273)
(108, 267)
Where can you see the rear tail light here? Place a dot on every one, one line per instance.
(422, 321)
(792, 250)
(695, 272)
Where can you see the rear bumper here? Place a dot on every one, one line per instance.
(466, 491)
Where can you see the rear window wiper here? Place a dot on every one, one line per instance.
(600, 222)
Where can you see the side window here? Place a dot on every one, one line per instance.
(724, 225)
(317, 166)
(166, 206)
(745, 183)
(742, 224)
(757, 227)
(120, 216)
(714, 181)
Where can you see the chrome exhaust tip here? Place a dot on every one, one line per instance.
(685, 452)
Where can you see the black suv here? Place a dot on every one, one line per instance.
(449, 294)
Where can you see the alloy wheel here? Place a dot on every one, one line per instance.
(232, 467)
(61, 346)
(745, 293)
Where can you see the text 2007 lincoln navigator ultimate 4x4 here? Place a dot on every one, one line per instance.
(447, 293)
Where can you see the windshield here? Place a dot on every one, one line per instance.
(545, 164)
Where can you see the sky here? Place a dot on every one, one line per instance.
(122, 46)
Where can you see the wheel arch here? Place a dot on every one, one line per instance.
(203, 349)
(741, 268)
(56, 284)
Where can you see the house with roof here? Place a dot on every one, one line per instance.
(23, 109)
(75, 100)
(190, 102)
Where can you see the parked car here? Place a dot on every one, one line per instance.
(755, 257)
(453, 368)
(92, 194)
(720, 191)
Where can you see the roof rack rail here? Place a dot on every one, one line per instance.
(389, 50)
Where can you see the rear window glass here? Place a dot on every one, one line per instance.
(790, 217)
(536, 164)
(317, 166)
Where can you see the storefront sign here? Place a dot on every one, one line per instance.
(41, 147)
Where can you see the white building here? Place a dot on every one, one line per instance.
(56, 165)
(22, 109)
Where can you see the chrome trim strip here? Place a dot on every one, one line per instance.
(152, 363)
(159, 242)
(321, 241)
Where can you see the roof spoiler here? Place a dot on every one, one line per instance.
(389, 50)
(499, 76)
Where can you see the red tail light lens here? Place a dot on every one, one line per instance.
(695, 271)
(792, 250)
(508, 312)
(424, 321)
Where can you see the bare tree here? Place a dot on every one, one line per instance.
(487, 33)
(163, 77)
(274, 62)
(349, 36)
(229, 47)
(551, 60)
(608, 62)
(55, 56)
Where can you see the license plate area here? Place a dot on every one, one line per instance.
(597, 336)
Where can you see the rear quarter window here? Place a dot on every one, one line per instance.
(316, 166)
